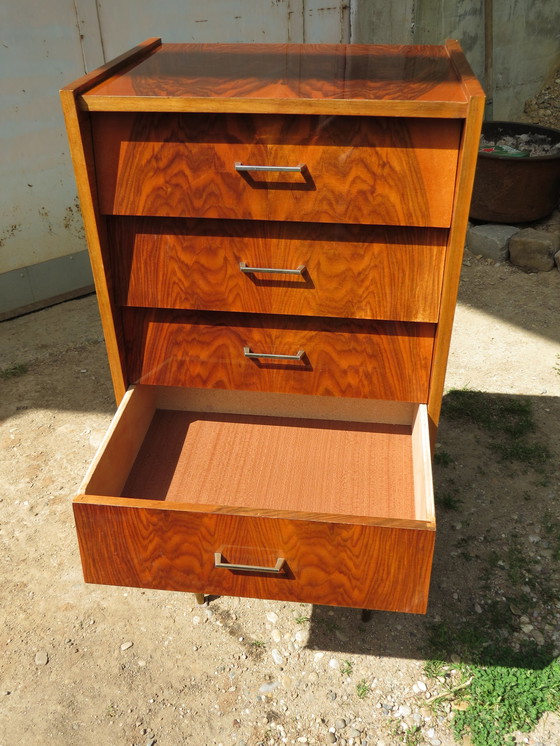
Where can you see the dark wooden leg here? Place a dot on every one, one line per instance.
(366, 615)
(199, 598)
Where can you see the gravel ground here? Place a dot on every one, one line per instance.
(92, 664)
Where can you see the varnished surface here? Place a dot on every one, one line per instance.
(378, 360)
(326, 563)
(314, 73)
(357, 169)
(281, 463)
(351, 271)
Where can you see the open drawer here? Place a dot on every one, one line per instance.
(316, 499)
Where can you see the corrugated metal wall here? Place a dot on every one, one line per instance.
(44, 46)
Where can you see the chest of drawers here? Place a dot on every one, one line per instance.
(276, 235)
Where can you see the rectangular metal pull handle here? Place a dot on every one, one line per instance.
(243, 266)
(270, 356)
(248, 167)
(218, 562)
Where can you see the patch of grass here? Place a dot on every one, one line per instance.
(551, 529)
(504, 699)
(362, 689)
(531, 454)
(13, 371)
(447, 499)
(302, 619)
(442, 458)
(497, 414)
(346, 668)
(258, 643)
(509, 421)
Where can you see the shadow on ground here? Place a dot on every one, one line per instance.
(496, 572)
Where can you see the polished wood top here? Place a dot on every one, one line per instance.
(331, 78)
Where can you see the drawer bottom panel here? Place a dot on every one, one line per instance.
(362, 566)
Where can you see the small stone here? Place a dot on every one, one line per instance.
(41, 658)
(421, 686)
(272, 617)
(353, 733)
(538, 637)
(490, 241)
(534, 250)
(455, 658)
(404, 711)
(141, 663)
(276, 636)
(276, 657)
(478, 608)
(340, 723)
(331, 738)
(269, 686)
(196, 620)
(126, 645)
(300, 636)
(333, 663)
(435, 742)
(331, 696)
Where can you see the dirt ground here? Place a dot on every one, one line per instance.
(83, 664)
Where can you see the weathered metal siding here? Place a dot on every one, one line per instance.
(45, 45)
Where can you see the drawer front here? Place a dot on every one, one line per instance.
(325, 357)
(367, 272)
(354, 565)
(369, 170)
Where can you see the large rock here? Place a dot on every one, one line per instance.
(490, 240)
(534, 250)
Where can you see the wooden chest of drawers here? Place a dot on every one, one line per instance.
(276, 235)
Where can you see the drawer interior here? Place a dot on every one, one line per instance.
(254, 451)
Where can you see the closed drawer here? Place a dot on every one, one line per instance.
(367, 272)
(188, 494)
(286, 354)
(373, 170)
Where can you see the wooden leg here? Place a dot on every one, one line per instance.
(366, 615)
(199, 598)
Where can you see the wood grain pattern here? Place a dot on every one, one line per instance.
(291, 464)
(463, 191)
(351, 271)
(358, 169)
(347, 79)
(326, 563)
(378, 360)
(79, 136)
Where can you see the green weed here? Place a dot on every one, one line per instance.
(442, 458)
(13, 371)
(346, 668)
(504, 699)
(362, 689)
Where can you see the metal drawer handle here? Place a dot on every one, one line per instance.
(247, 568)
(298, 356)
(291, 169)
(243, 266)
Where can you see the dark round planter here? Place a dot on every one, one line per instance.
(515, 190)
